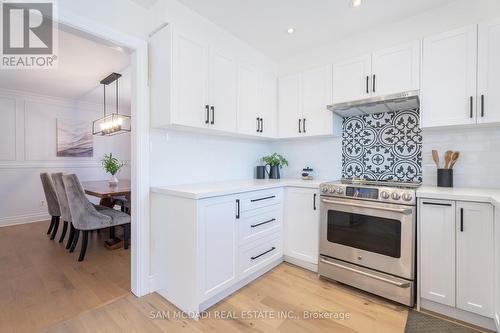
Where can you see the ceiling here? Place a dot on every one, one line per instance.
(83, 62)
(145, 3)
(264, 23)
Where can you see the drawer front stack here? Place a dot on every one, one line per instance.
(259, 230)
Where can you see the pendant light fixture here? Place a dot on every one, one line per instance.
(114, 123)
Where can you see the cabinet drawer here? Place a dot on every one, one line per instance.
(257, 199)
(260, 253)
(258, 223)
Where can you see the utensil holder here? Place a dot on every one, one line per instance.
(445, 177)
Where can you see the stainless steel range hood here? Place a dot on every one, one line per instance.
(393, 102)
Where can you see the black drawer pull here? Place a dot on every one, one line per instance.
(367, 84)
(262, 223)
(436, 204)
(258, 124)
(471, 101)
(373, 88)
(300, 125)
(263, 253)
(461, 220)
(260, 199)
(207, 119)
(482, 105)
(314, 201)
(213, 115)
(261, 125)
(237, 208)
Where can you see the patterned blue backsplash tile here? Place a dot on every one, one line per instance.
(383, 146)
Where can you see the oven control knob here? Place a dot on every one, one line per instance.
(385, 195)
(324, 189)
(340, 190)
(396, 196)
(407, 197)
(332, 189)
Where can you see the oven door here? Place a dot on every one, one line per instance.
(375, 235)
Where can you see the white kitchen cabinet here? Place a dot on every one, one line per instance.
(200, 81)
(316, 95)
(269, 106)
(191, 84)
(352, 79)
(218, 244)
(488, 83)
(437, 235)
(289, 110)
(448, 94)
(302, 225)
(396, 69)
(249, 96)
(475, 257)
(223, 91)
(302, 101)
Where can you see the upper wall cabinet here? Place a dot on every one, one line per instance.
(449, 78)
(387, 71)
(205, 85)
(302, 101)
(488, 83)
(460, 77)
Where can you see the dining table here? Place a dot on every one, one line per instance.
(107, 193)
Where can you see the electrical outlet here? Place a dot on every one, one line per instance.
(43, 204)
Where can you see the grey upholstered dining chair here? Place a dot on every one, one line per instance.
(52, 203)
(85, 216)
(64, 207)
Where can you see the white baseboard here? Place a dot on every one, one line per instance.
(302, 263)
(23, 219)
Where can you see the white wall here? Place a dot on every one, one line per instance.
(322, 154)
(479, 155)
(183, 158)
(28, 147)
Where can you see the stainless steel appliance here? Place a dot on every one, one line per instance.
(367, 237)
(392, 102)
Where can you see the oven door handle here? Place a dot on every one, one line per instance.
(404, 211)
(373, 276)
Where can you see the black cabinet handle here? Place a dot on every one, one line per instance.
(237, 208)
(314, 201)
(266, 198)
(471, 100)
(461, 220)
(261, 125)
(304, 125)
(482, 105)
(262, 223)
(213, 115)
(208, 114)
(373, 83)
(300, 125)
(258, 124)
(263, 253)
(367, 84)
(436, 204)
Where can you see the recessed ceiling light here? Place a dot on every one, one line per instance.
(356, 3)
(290, 30)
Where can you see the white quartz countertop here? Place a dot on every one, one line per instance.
(215, 189)
(460, 193)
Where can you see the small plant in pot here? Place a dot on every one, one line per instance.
(275, 163)
(112, 166)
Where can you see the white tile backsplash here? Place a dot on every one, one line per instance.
(479, 161)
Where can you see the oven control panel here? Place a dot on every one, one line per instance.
(374, 193)
(361, 192)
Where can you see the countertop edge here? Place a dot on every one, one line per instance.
(489, 195)
(232, 190)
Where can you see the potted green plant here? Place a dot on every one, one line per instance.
(275, 162)
(112, 166)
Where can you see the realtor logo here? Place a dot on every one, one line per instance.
(29, 34)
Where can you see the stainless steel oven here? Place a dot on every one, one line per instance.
(368, 241)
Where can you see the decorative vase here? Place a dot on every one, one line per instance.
(274, 172)
(113, 181)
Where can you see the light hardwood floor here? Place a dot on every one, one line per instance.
(42, 284)
(286, 288)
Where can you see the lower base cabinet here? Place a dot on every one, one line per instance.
(457, 254)
(302, 225)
